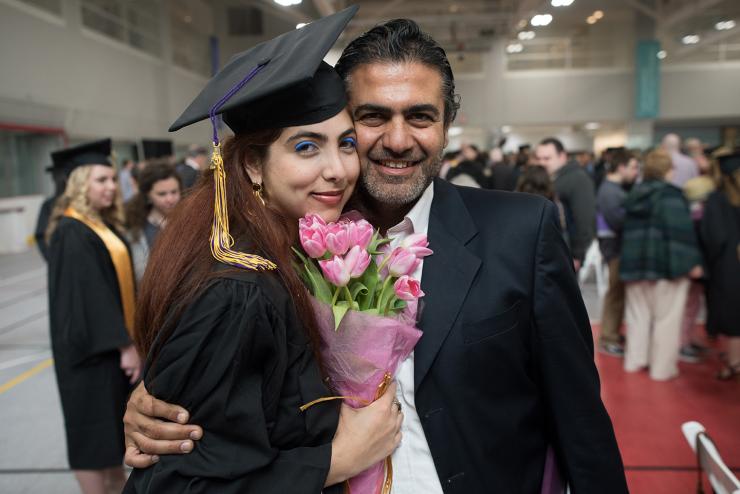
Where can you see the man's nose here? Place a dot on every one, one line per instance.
(397, 137)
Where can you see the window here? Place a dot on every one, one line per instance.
(133, 22)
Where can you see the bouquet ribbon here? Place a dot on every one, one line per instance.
(382, 387)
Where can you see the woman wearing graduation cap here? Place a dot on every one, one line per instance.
(226, 323)
(91, 311)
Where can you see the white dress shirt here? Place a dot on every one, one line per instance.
(413, 467)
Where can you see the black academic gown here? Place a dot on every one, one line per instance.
(41, 224)
(720, 234)
(240, 362)
(87, 329)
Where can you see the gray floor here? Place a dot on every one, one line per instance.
(32, 456)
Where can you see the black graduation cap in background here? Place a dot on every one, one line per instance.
(156, 148)
(89, 153)
(279, 83)
(729, 163)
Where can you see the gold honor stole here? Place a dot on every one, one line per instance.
(121, 262)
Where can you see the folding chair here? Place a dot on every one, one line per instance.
(721, 478)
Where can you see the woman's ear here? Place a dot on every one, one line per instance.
(255, 172)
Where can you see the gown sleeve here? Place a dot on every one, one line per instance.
(85, 303)
(225, 363)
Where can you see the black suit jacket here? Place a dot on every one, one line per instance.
(505, 366)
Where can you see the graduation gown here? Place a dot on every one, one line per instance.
(87, 329)
(240, 362)
(41, 224)
(720, 234)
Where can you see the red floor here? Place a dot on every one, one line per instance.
(647, 417)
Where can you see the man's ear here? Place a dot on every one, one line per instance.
(447, 137)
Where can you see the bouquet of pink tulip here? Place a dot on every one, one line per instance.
(365, 300)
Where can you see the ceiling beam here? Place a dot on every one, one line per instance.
(436, 20)
(638, 5)
(324, 7)
(714, 37)
(687, 11)
(285, 13)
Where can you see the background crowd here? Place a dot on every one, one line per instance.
(663, 224)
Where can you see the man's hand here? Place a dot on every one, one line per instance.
(577, 264)
(148, 435)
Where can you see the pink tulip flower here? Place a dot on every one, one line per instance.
(337, 240)
(407, 288)
(402, 262)
(312, 234)
(359, 233)
(418, 244)
(358, 260)
(336, 270)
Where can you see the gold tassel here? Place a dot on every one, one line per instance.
(221, 240)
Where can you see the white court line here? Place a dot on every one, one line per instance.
(24, 360)
(28, 275)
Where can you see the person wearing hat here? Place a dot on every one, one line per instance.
(226, 323)
(91, 313)
(505, 366)
(720, 234)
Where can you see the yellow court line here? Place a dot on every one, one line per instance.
(26, 375)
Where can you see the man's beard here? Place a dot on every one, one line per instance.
(398, 191)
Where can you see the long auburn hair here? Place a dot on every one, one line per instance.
(181, 266)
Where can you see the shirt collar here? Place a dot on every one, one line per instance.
(416, 220)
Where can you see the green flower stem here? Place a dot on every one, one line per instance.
(336, 296)
(386, 283)
(348, 295)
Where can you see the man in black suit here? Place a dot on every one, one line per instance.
(191, 167)
(505, 366)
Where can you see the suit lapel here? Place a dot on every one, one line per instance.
(447, 274)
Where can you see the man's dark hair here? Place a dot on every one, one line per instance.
(555, 142)
(401, 40)
(619, 157)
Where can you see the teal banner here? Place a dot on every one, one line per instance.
(647, 80)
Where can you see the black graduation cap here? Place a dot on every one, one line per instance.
(282, 82)
(89, 153)
(156, 148)
(729, 163)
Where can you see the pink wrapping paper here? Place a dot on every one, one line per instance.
(357, 357)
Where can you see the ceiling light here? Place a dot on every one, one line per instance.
(591, 20)
(301, 24)
(505, 129)
(514, 48)
(541, 20)
(662, 54)
(561, 3)
(598, 15)
(287, 3)
(187, 19)
(455, 131)
(526, 35)
(592, 126)
(522, 24)
(724, 25)
(690, 39)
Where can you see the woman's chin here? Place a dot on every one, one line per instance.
(327, 214)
